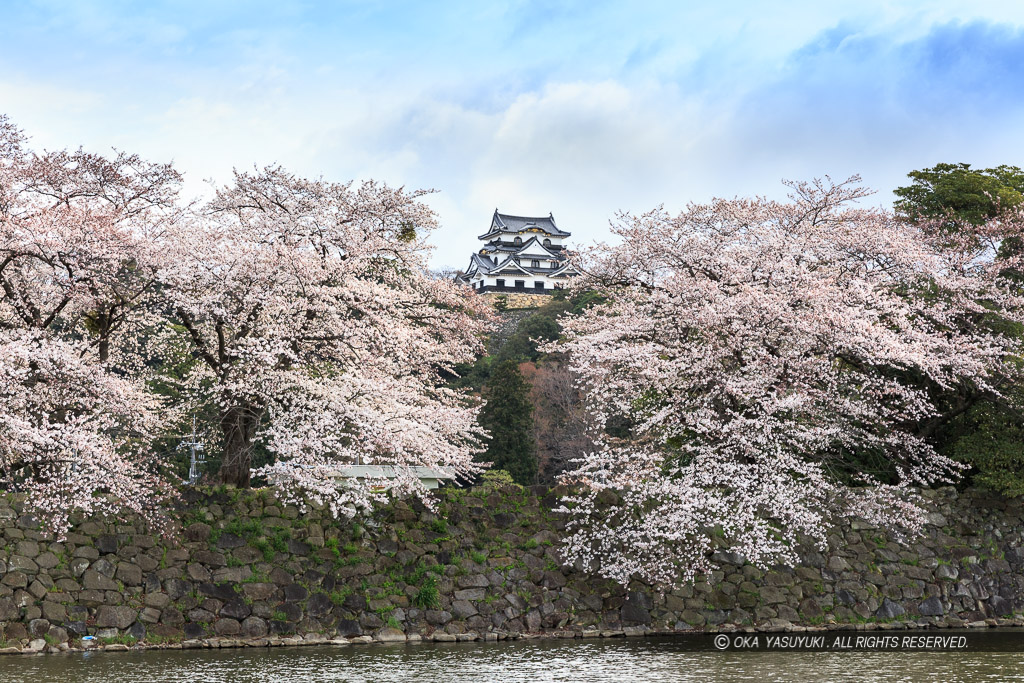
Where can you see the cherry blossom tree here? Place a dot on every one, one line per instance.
(79, 240)
(82, 237)
(754, 347)
(321, 335)
(74, 436)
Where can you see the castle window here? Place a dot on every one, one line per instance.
(539, 284)
(535, 263)
(520, 284)
(518, 240)
(554, 264)
(547, 242)
(501, 283)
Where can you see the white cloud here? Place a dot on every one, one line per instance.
(634, 109)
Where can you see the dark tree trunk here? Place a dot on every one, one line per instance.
(238, 424)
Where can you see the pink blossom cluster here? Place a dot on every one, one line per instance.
(298, 313)
(79, 239)
(322, 336)
(753, 346)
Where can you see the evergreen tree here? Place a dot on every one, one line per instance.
(508, 417)
(986, 431)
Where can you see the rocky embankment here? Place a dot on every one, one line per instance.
(246, 570)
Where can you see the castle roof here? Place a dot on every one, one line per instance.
(503, 222)
(497, 246)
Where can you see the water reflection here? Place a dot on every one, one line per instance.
(571, 661)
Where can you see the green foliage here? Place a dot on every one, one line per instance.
(990, 438)
(508, 417)
(256, 577)
(121, 640)
(439, 526)
(497, 479)
(984, 432)
(245, 529)
(338, 596)
(407, 231)
(960, 194)
(428, 596)
(277, 542)
(960, 198)
(541, 326)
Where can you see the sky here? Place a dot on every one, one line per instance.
(581, 109)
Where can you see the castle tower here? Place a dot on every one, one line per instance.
(520, 254)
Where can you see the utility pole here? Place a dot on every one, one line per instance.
(198, 456)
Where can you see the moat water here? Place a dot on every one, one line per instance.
(989, 658)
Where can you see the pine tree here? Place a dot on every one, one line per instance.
(508, 417)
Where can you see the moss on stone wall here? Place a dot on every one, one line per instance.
(246, 569)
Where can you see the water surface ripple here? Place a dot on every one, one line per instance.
(667, 659)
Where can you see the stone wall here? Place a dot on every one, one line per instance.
(246, 569)
(517, 300)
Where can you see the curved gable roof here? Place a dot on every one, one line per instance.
(504, 222)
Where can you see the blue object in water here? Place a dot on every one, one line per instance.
(88, 637)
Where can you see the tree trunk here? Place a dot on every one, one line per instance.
(238, 424)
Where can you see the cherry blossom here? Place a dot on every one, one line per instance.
(79, 243)
(321, 335)
(755, 345)
(74, 436)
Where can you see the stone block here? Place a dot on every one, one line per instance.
(227, 627)
(149, 615)
(93, 580)
(474, 581)
(437, 617)
(210, 558)
(463, 609)
(106, 544)
(20, 563)
(200, 615)
(471, 594)
(932, 607)
(221, 591)
(198, 572)
(119, 617)
(295, 593)
(129, 574)
(889, 610)
(235, 609)
(259, 591)
(104, 567)
(254, 627)
(28, 549)
(389, 635)
(319, 605)
(157, 600)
